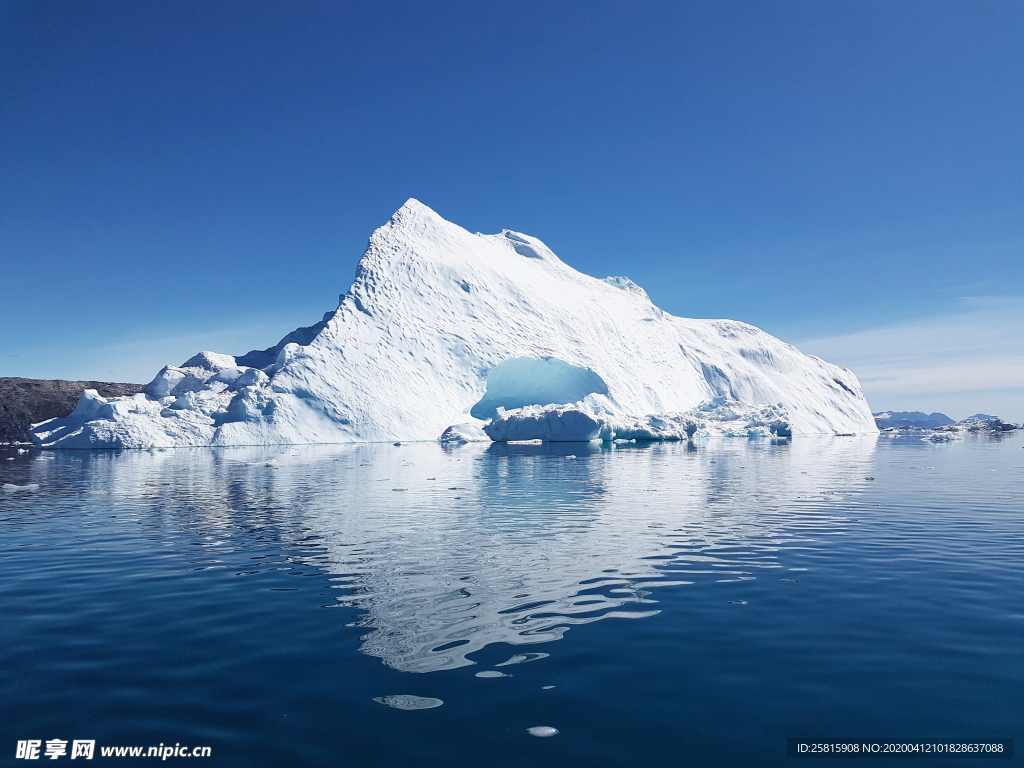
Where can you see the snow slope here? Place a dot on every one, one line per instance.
(444, 327)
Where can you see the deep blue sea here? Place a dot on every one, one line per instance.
(660, 604)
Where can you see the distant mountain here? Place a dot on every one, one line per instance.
(24, 402)
(911, 419)
(979, 422)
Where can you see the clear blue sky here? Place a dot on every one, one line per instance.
(177, 176)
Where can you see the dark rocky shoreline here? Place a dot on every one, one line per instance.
(24, 402)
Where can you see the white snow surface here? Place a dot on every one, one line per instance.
(442, 327)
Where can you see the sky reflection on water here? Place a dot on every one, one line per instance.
(445, 551)
(206, 597)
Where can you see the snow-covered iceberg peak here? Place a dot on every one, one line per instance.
(444, 327)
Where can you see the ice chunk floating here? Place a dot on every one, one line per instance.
(542, 731)
(442, 328)
(408, 702)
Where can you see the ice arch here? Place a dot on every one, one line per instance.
(530, 381)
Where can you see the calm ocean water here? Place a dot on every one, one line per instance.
(669, 604)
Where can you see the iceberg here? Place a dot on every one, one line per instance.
(445, 328)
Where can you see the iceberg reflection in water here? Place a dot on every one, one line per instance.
(497, 543)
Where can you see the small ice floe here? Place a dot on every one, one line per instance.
(23, 450)
(546, 687)
(790, 581)
(491, 673)
(408, 701)
(542, 731)
(738, 602)
(522, 658)
(272, 464)
(11, 488)
(571, 456)
(464, 433)
(942, 437)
